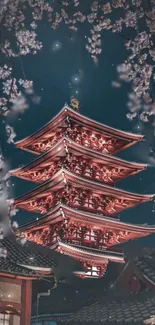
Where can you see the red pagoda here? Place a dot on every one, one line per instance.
(76, 173)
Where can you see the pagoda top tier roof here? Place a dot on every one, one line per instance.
(66, 111)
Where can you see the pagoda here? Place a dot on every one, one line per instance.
(76, 195)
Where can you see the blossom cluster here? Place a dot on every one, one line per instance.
(138, 68)
(13, 99)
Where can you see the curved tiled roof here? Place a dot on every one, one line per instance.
(145, 267)
(7, 267)
(132, 308)
(25, 260)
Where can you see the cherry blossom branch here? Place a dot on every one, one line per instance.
(101, 18)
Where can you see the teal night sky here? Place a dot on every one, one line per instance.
(64, 68)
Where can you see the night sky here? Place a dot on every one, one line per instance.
(62, 69)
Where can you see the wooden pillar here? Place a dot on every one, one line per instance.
(11, 320)
(26, 296)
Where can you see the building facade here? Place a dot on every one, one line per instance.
(18, 270)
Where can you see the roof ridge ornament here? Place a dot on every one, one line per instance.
(74, 103)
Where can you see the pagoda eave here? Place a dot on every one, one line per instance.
(59, 150)
(39, 270)
(62, 212)
(64, 177)
(63, 216)
(49, 126)
(68, 112)
(83, 254)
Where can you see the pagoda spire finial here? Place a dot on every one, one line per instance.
(74, 103)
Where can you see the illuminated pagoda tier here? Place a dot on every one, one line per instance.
(79, 160)
(80, 129)
(76, 195)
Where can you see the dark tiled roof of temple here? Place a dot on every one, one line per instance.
(145, 268)
(22, 259)
(125, 310)
(136, 304)
(8, 267)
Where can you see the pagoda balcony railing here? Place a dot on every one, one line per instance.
(92, 244)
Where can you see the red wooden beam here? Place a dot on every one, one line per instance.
(26, 294)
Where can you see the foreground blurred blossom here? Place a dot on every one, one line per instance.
(6, 205)
(10, 134)
(116, 84)
(20, 105)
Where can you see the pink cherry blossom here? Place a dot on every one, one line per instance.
(114, 16)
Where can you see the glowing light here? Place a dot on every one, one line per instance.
(138, 127)
(56, 46)
(76, 79)
(75, 93)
